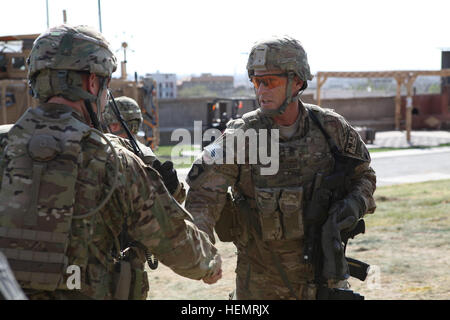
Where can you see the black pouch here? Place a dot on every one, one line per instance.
(225, 226)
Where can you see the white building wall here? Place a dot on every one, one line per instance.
(166, 85)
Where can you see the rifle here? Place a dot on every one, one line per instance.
(327, 190)
(151, 260)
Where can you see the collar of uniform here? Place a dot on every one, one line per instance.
(302, 128)
(53, 110)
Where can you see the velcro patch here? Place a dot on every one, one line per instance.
(196, 170)
(352, 142)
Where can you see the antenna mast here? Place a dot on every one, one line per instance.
(99, 16)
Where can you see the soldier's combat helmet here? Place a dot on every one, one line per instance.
(61, 55)
(283, 53)
(130, 111)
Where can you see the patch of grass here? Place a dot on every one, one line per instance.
(399, 204)
(164, 153)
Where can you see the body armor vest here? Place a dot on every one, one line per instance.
(278, 200)
(37, 197)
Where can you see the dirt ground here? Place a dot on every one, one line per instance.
(407, 243)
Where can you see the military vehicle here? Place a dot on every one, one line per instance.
(221, 110)
(15, 97)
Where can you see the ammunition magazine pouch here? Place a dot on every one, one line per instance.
(122, 279)
(130, 279)
(139, 284)
(280, 213)
(227, 227)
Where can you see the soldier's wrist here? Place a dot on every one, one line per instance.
(358, 204)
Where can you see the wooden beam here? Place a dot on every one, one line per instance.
(384, 74)
(407, 77)
(320, 82)
(398, 102)
(409, 105)
(3, 103)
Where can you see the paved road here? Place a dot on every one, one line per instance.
(395, 167)
(403, 166)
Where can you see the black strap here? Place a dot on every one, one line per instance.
(334, 148)
(122, 122)
(92, 114)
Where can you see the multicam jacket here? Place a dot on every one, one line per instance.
(274, 204)
(67, 172)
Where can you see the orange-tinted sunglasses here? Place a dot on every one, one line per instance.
(270, 81)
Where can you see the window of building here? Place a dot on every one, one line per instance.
(18, 63)
(3, 63)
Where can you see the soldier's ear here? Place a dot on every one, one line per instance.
(297, 85)
(93, 84)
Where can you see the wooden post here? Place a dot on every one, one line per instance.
(320, 81)
(3, 104)
(398, 102)
(409, 105)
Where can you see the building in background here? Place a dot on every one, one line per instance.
(166, 84)
(216, 84)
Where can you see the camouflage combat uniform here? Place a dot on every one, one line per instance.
(267, 210)
(132, 115)
(68, 192)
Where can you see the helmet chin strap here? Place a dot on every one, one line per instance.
(96, 118)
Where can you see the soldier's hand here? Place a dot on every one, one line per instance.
(347, 212)
(214, 278)
(168, 174)
(217, 274)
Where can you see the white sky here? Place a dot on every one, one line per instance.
(194, 36)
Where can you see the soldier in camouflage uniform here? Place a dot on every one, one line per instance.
(264, 215)
(68, 190)
(132, 115)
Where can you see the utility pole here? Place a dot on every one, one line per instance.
(99, 16)
(48, 23)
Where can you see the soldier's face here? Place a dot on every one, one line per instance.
(117, 129)
(270, 88)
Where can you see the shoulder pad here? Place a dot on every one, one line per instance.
(320, 112)
(255, 120)
(115, 140)
(148, 156)
(96, 138)
(347, 139)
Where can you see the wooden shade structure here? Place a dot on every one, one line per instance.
(402, 77)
